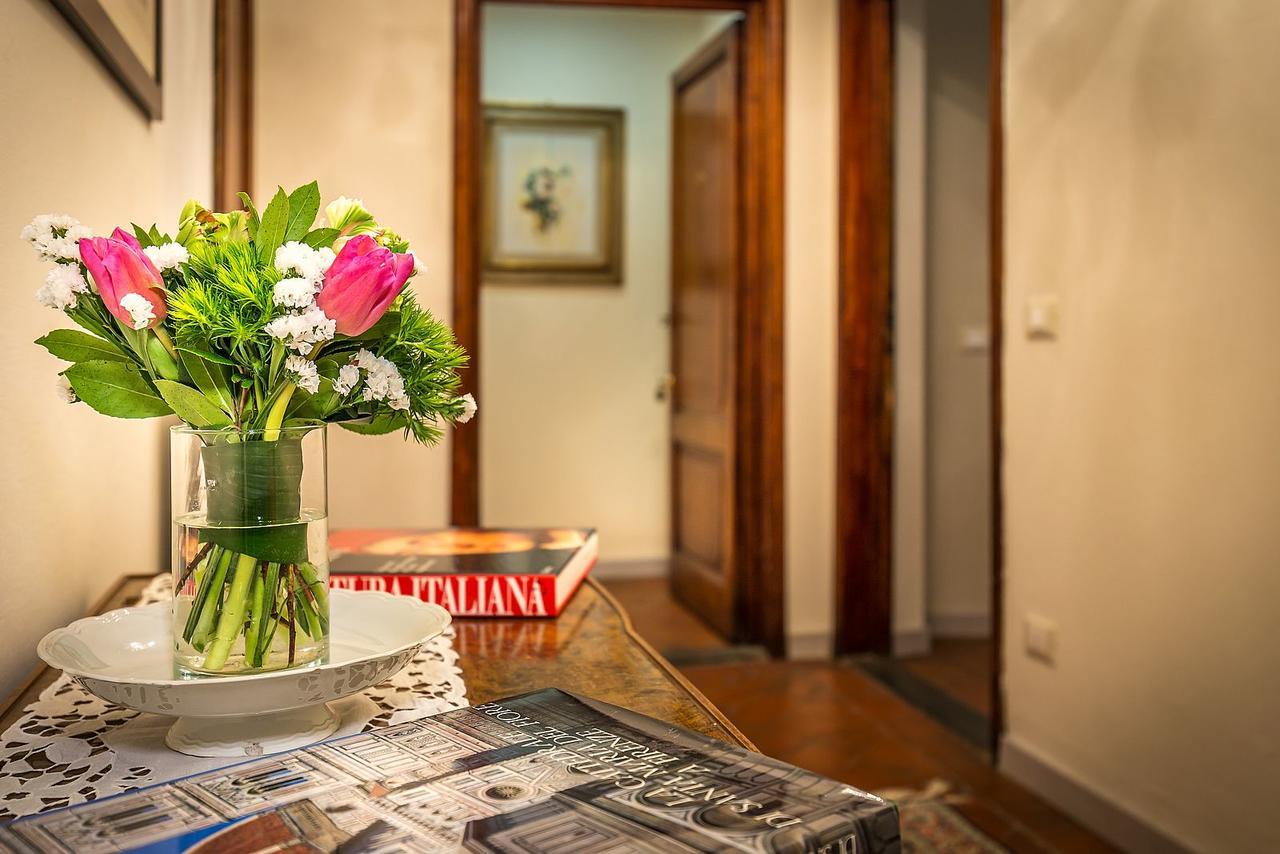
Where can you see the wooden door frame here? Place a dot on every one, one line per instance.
(864, 416)
(864, 409)
(759, 529)
(233, 79)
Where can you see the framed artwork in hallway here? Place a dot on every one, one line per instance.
(552, 194)
(126, 36)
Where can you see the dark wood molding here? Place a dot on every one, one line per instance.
(91, 21)
(760, 529)
(761, 510)
(233, 69)
(995, 171)
(864, 402)
(468, 123)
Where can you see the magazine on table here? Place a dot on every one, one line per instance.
(542, 772)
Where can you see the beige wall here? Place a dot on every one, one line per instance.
(959, 401)
(370, 117)
(1142, 474)
(810, 324)
(83, 499)
(384, 130)
(572, 432)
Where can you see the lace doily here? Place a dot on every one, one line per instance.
(69, 746)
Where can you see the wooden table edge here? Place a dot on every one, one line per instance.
(14, 697)
(670, 669)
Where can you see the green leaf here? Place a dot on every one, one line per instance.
(316, 407)
(206, 355)
(210, 378)
(375, 426)
(321, 237)
(192, 406)
(274, 222)
(254, 219)
(72, 345)
(144, 239)
(303, 204)
(117, 389)
(157, 238)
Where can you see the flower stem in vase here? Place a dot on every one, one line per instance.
(293, 626)
(206, 606)
(231, 620)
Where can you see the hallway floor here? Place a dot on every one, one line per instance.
(842, 723)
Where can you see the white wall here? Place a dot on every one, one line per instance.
(384, 130)
(1142, 474)
(810, 325)
(572, 432)
(910, 414)
(370, 117)
(959, 374)
(84, 495)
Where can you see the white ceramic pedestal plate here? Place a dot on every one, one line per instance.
(126, 657)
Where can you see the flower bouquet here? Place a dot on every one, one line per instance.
(256, 330)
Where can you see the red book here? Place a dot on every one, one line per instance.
(470, 572)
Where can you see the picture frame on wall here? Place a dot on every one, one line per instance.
(552, 194)
(126, 36)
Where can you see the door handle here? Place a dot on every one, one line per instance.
(666, 387)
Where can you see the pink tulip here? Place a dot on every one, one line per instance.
(119, 268)
(361, 284)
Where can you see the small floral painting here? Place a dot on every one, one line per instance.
(540, 195)
(552, 194)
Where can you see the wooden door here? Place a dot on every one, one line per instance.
(705, 289)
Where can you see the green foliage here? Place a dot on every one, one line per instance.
(117, 389)
(226, 300)
(303, 204)
(71, 345)
(254, 219)
(191, 405)
(376, 425)
(271, 231)
(210, 376)
(321, 238)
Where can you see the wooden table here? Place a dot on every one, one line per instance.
(591, 649)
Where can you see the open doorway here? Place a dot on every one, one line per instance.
(644, 402)
(919, 565)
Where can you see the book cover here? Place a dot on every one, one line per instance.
(542, 772)
(470, 572)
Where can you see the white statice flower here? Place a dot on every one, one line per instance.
(65, 392)
(304, 330)
(348, 377)
(294, 293)
(469, 408)
(419, 266)
(61, 286)
(56, 237)
(140, 309)
(304, 372)
(382, 380)
(168, 255)
(307, 263)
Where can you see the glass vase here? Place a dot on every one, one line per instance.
(250, 550)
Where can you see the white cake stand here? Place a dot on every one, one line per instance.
(126, 657)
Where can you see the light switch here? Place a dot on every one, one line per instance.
(1042, 317)
(1041, 637)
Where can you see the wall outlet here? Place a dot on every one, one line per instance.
(1041, 638)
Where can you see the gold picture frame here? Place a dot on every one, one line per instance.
(552, 194)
